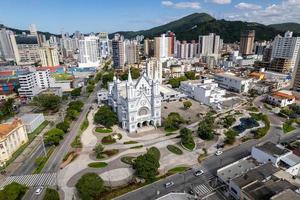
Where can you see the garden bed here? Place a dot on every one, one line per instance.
(174, 149)
(97, 164)
(103, 130)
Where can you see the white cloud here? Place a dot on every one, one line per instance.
(181, 5)
(247, 6)
(285, 11)
(221, 1)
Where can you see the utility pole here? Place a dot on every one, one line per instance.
(43, 144)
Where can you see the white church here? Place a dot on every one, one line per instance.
(136, 102)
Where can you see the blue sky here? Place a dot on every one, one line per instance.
(115, 15)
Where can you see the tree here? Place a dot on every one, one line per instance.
(51, 194)
(6, 108)
(228, 121)
(72, 114)
(90, 186)
(98, 150)
(146, 166)
(190, 75)
(106, 117)
(135, 74)
(47, 101)
(173, 121)
(76, 92)
(175, 82)
(98, 77)
(108, 77)
(64, 126)
(76, 105)
(187, 138)
(230, 136)
(53, 136)
(205, 129)
(90, 88)
(187, 104)
(13, 191)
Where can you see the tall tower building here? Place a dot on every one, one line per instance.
(247, 42)
(154, 69)
(286, 47)
(33, 29)
(103, 44)
(49, 56)
(161, 46)
(131, 52)
(6, 46)
(118, 49)
(209, 44)
(89, 52)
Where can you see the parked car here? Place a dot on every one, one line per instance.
(39, 191)
(169, 184)
(199, 173)
(218, 153)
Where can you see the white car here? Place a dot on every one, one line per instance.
(218, 153)
(199, 173)
(39, 191)
(169, 184)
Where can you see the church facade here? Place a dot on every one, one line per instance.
(136, 102)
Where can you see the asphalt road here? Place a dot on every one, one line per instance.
(57, 156)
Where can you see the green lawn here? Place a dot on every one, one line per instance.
(174, 149)
(190, 146)
(62, 77)
(170, 129)
(108, 140)
(130, 142)
(171, 133)
(128, 160)
(177, 170)
(288, 127)
(103, 130)
(97, 164)
(136, 147)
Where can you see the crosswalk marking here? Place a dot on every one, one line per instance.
(202, 189)
(32, 180)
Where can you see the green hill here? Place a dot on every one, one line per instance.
(295, 27)
(191, 26)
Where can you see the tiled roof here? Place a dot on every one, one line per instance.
(5, 129)
(284, 95)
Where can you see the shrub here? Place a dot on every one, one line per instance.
(174, 149)
(90, 186)
(108, 140)
(97, 164)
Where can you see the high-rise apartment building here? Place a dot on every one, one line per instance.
(247, 42)
(148, 48)
(104, 47)
(172, 48)
(118, 49)
(27, 51)
(6, 46)
(154, 69)
(89, 51)
(131, 52)
(209, 45)
(49, 56)
(296, 77)
(161, 46)
(286, 47)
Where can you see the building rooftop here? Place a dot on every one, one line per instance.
(167, 90)
(265, 190)
(257, 174)
(287, 194)
(284, 95)
(6, 128)
(273, 149)
(28, 118)
(237, 168)
(176, 196)
(230, 76)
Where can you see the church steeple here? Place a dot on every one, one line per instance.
(129, 76)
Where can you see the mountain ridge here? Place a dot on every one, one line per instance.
(191, 26)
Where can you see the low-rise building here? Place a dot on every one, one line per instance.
(278, 155)
(102, 96)
(53, 91)
(12, 136)
(281, 98)
(203, 90)
(233, 83)
(169, 94)
(32, 121)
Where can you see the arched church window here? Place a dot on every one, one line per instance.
(143, 111)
